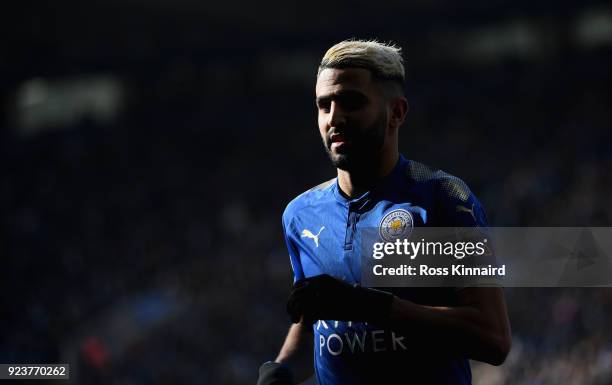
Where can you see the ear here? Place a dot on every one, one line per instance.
(399, 109)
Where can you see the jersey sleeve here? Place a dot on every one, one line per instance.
(460, 207)
(294, 256)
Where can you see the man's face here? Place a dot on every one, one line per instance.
(352, 116)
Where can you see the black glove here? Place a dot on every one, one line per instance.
(325, 297)
(273, 373)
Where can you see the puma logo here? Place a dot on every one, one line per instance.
(308, 234)
(464, 209)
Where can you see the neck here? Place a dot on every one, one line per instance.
(354, 183)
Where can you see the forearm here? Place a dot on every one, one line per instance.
(468, 330)
(283, 370)
(294, 345)
(296, 351)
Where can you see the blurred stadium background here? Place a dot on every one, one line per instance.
(149, 147)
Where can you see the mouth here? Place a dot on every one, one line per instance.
(338, 141)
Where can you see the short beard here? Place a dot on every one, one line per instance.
(364, 149)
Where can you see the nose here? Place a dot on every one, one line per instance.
(336, 115)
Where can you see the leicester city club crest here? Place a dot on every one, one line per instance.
(397, 224)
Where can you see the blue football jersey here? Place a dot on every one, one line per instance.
(322, 230)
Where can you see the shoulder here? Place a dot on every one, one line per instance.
(441, 183)
(455, 203)
(309, 199)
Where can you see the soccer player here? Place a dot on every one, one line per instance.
(363, 335)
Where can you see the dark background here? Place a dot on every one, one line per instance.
(148, 149)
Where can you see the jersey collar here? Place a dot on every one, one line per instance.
(386, 184)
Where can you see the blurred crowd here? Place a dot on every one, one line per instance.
(149, 250)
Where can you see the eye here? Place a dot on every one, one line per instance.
(352, 101)
(324, 105)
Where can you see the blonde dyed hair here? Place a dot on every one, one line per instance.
(384, 61)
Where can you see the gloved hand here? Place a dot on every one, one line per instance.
(328, 298)
(273, 373)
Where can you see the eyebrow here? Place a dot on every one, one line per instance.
(338, 94)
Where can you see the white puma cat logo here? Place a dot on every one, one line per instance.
(464, 209)
(308, 234)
